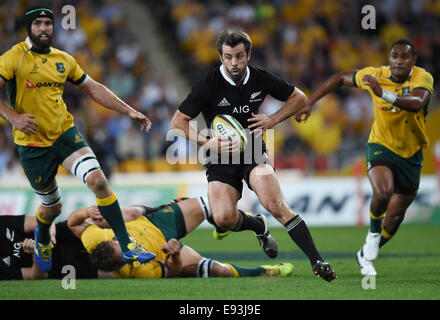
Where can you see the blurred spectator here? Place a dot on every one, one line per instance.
(158, 91)
(127, 53)
(121, 82)
(70, 39)
(5, 150)
(131, 145)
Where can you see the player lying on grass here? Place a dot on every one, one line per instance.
(17, 247)
(158, 230)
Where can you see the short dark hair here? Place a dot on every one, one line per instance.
(404, 42)
(101, 257)
(232, 38)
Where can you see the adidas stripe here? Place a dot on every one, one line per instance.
(294, 223)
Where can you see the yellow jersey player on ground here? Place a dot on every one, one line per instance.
(400, 92)
(158, 230)
(45, 134)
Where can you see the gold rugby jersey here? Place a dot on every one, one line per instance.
(145, 233)
(35, 84)
(401, 131)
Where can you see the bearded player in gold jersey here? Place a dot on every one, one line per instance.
(400, 94)
(45, 134)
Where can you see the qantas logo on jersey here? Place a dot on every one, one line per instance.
(30, 85)
(393, 109)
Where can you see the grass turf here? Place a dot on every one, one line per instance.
(407, 270)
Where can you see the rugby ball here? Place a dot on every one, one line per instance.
(227, 126)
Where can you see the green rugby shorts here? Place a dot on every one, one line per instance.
(406, 171)
(41, 164)
(170, 221)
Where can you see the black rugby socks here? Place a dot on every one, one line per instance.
(300, 234)
(249, 222)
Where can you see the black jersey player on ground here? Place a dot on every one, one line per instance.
(237, 89)
(17, 232)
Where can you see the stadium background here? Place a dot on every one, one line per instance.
(151, 52)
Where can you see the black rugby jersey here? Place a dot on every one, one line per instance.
(218, 94)
(12, 256)
(67, 251)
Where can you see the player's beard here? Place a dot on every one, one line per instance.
(41, 44)
(236, 77)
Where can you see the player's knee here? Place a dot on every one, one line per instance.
(49, 213)
(97, 182)
(392, 223)
(58, 207)
(225, 220)
(383, 196)
(274, 206)
(221, 270)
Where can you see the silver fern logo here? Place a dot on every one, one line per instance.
(10, 235)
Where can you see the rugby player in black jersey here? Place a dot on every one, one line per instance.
(237, 89)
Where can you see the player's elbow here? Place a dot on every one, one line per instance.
(418, 105)
(298, 97)
(302, 98)
(415, 104)
(179, 121)
(174, 122)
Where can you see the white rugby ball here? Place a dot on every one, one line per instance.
(227, 126)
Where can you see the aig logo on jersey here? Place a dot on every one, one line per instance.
(241, 109)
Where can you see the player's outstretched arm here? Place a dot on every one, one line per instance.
(413, 102)
(105, 97)
(337, 80)
(294, 103)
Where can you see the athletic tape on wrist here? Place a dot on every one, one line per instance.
(389, 96)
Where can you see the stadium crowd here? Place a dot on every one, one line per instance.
(302, 41)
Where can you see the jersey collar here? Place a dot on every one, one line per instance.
(395, 81)
(223, 72)
(32, 48)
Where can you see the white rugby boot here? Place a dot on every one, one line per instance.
(371, 246)
(367, 268)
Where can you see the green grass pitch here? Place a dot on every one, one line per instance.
(407, 270)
